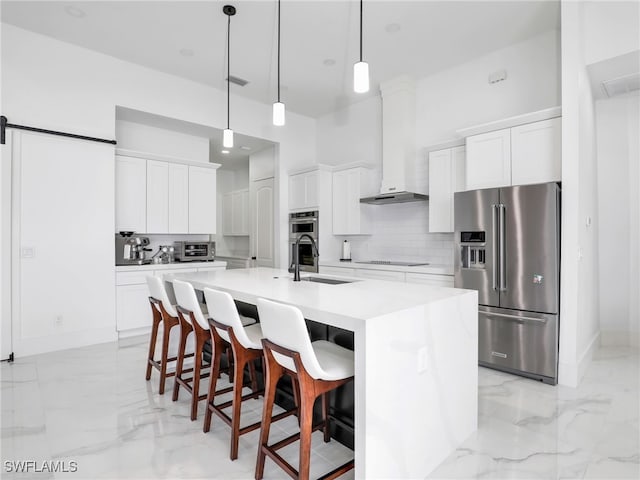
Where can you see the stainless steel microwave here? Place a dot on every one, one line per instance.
(187, 251)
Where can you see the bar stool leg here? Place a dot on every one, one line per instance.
(165, 355)
(217, 348)
(237, 401)
(325, 417)
(306, 420)
(195, 386)
(273, 374)
(184, 332)
(152, 342)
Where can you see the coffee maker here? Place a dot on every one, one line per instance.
(131, 249)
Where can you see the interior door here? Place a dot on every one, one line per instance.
(531, 246)
(262, 220)
(475, 231)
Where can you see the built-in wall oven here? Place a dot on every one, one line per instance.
(300, 223)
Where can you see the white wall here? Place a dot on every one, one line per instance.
(261, 164)
(579, 325)
(462, 96)
(618, 137)
(612, 29)
(145, 138)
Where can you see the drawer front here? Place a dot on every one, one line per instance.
(167, 271)
(211, 269)
(338, 271)
(430, 279)
(132, 278)
(380, 275)
(522, 341)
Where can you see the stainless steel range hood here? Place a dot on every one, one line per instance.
(400, 197)
(402, 182)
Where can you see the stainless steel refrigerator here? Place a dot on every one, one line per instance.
(507, 247)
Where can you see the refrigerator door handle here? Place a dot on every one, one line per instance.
(501, 247)
(516, 318)
(494, 228)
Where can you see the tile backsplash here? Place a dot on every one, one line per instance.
(401, 233)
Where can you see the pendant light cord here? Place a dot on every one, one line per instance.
(228, 67)
(361, 30)
(278, 51)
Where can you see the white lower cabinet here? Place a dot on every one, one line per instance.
(430, 279)
(133, 310)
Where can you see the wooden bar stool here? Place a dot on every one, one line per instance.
(319, 367)
(163, 333)
(192, 321)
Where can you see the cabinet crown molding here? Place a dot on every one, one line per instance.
(164, 158)
(514, 121)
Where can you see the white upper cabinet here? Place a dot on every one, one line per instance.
(131, 194)
(202, 200)
(235, 213)
(350, 217)
(178, 198)
(488, 162)
(157, 197)
(310, 189)
(446, 176)
(303, 188)
(536, 152)
(520, 155)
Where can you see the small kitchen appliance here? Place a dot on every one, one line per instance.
(189, 251)
(131, 249)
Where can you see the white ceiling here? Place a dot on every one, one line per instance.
(432, 36)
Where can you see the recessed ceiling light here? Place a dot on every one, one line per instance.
(74, 11)
(244, 147)
(224, 151)
(329, 62)
(392, 28)
(186, 52)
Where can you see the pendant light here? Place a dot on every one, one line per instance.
(361, 69)
(278, 107)
(227, 135)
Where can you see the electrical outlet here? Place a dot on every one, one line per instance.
(422, 359)
(58, 321)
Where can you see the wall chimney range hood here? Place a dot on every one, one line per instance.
(399, 174)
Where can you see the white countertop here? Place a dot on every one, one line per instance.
(346, 305)
(435, 269)
(168, 266)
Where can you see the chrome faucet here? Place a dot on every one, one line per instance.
(296, 255)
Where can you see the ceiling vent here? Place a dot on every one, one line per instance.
(237, 80)
(621, 85)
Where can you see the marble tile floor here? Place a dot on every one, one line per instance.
(92, 406)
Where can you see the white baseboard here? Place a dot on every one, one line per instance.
(570, 374)
(134, 332)
(63, 341)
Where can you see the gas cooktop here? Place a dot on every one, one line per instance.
(389, 262)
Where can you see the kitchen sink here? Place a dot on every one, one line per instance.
(328, 281)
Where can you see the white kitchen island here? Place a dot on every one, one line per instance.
(416, 357)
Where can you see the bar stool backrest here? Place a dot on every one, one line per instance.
(186, 298)
(223, 309)
(284, 325)
(158, 291)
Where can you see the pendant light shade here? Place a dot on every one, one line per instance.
(227, 135)
(278, 114)
(227, 138)
(361, 69)
(361, 77)
(278, 107)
